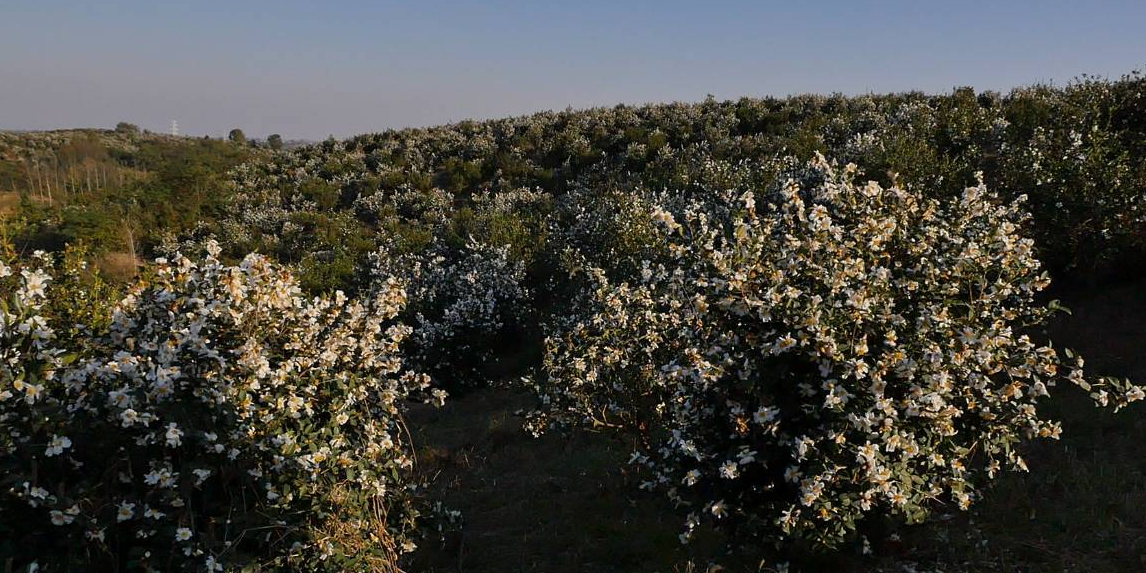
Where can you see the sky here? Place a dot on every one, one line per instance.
(308, 70)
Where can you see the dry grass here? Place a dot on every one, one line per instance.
(9, 202)
(118, 266)
(376, 550)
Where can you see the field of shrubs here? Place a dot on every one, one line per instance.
(799, 334)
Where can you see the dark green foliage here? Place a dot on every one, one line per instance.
(117, 191)
(126, 128)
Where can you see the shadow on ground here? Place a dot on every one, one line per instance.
(565, 504)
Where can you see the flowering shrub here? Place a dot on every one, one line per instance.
(836, 351)
(1084, 170)
(219, 421)
(465, 306)
(431, 207)
(516, 219)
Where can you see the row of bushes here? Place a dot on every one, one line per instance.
(1074, 151)
(553, 187)
(796, 359)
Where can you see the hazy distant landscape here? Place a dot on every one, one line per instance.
(519, 274)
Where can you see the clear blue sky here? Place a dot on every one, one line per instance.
(342, 67)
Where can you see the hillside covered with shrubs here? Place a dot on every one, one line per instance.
(812, 320)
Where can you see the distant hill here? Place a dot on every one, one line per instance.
(297, 143)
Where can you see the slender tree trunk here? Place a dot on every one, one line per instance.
(40, 179)
(130, 243)
(46, 183)
(28, 174)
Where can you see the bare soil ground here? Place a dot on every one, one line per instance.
(566, 504)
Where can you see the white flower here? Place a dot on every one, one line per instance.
(691, 477)
(201, 475)
(785, 343)
(32, 392)
(173, 435)
(182, 534)
(57, 446)
(34, 283)
(729, 470)
(162, 477)
(1135, 394)
(765, 415)
(719, 509)
(129, 417)
(665, 218)
(125, 511)
(792, 474)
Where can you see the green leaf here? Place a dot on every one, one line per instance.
(1057, 306)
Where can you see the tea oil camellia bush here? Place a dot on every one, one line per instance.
(220, 421)
(820, 353)
(465, 303)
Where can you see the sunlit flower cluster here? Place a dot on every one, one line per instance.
(221, 420)
(819, 351)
